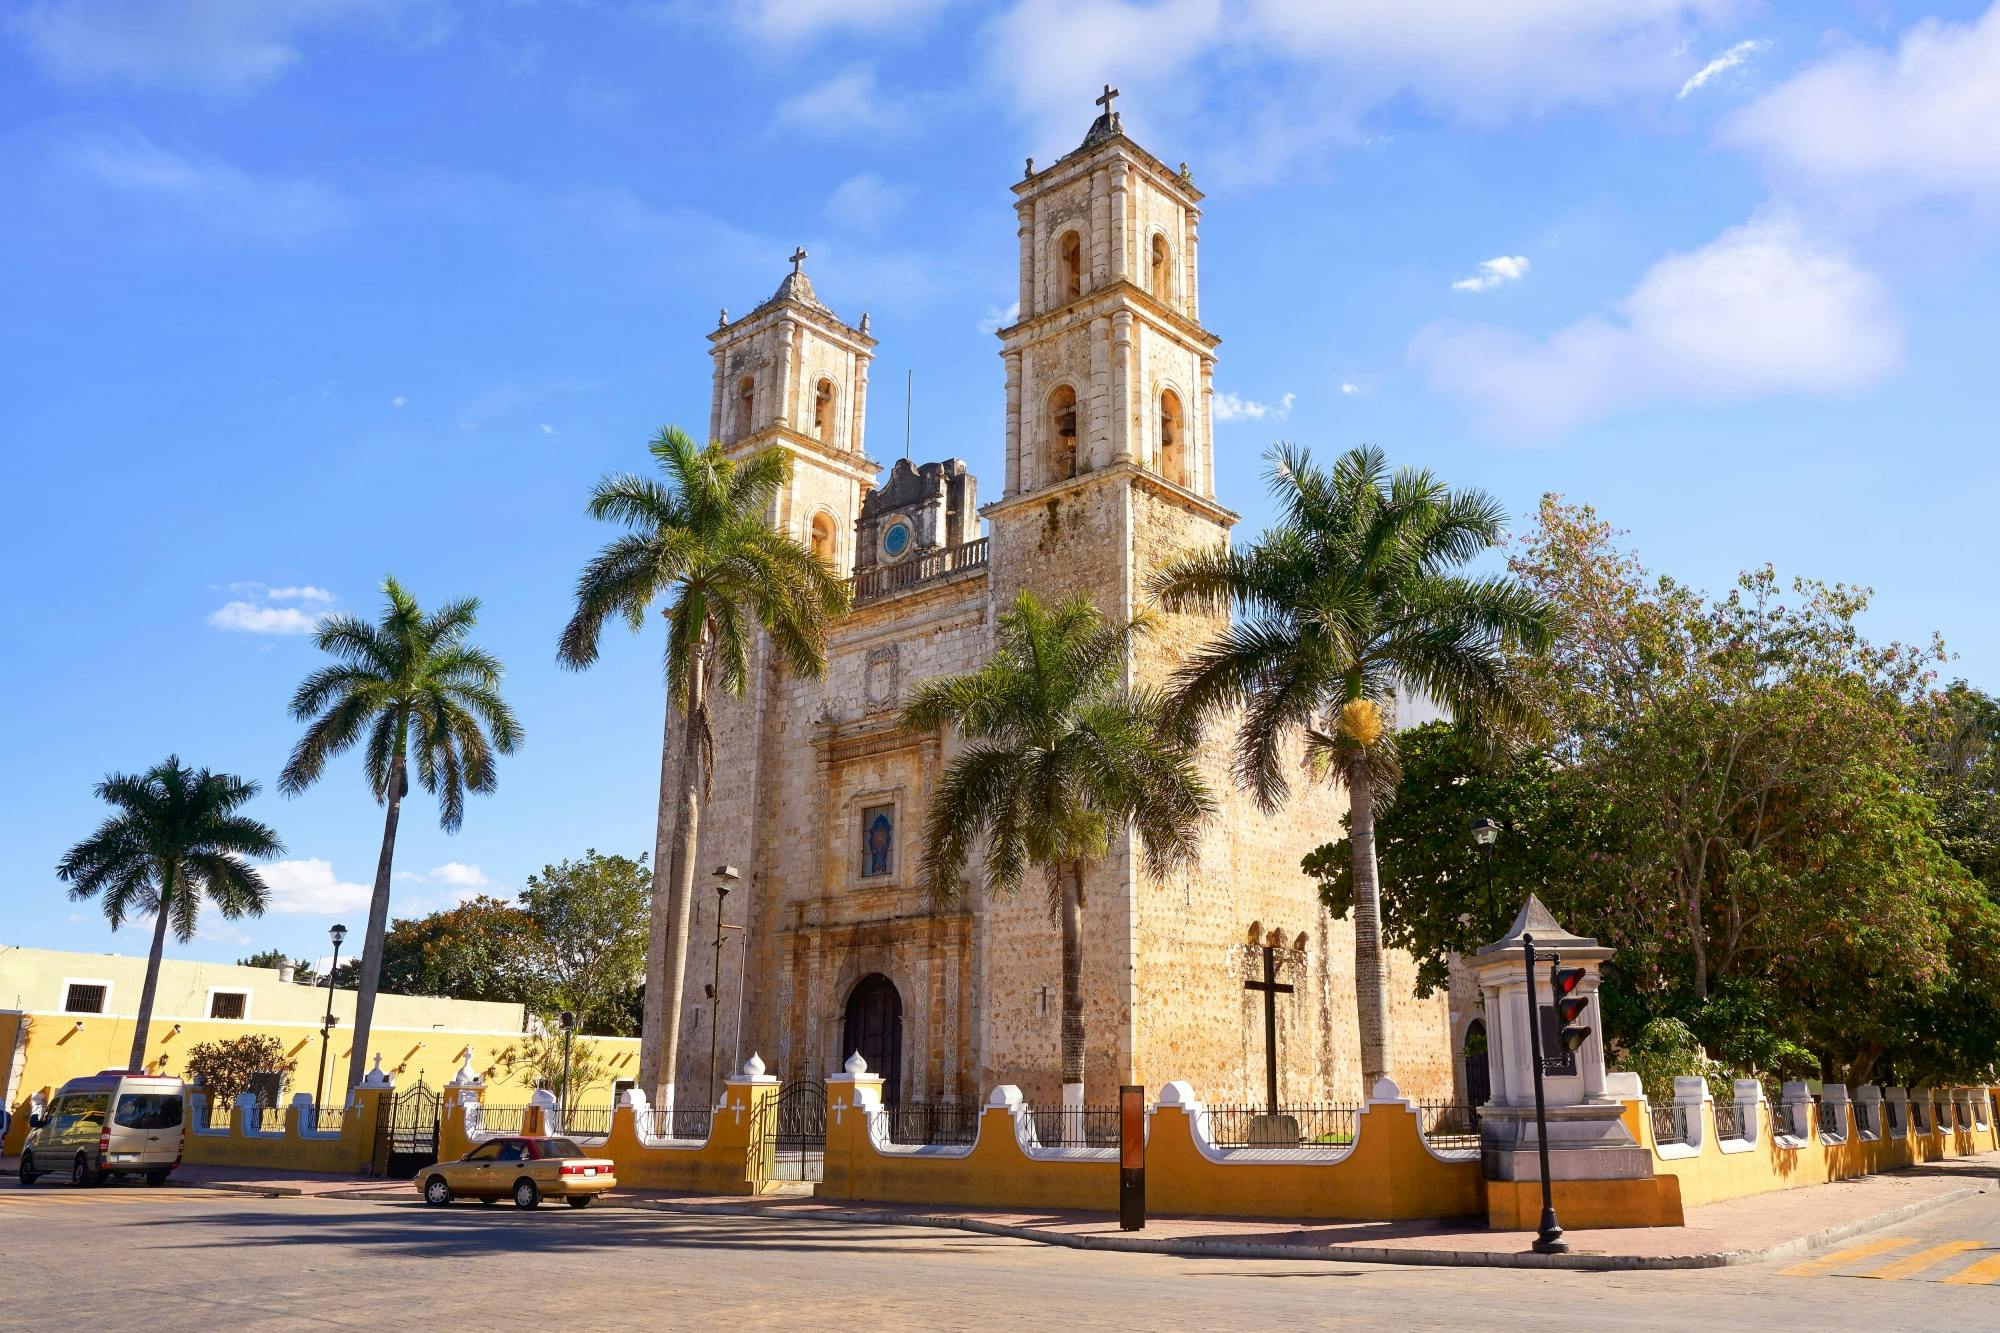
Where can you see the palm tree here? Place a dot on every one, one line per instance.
(1352, 596)
(177, 838)
(409, 682)
(1061, 757)
(701, 541)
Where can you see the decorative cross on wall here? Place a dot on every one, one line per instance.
(798, 258)
(1272, 989)
(1110, 95)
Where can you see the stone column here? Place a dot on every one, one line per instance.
(786, 387)
(1012, 361)
(1204, 469)
(1190, 278)
(1100, 227)
(1031, 427)
(1101, 406)
(1025, 230)
(858, 425)
(1038, 275)
(1121, 386)
(1121, 220)
(715, 400)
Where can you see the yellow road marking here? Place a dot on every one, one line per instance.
(1911, 1264)
(1979, 1274)
(1826, 1263)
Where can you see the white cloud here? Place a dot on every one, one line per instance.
(786, 21)
(226, 47)
(224, 197)
(459, 874)
(1760, 310)
(1880, 127)
(399, 401)
(303, 592)
(1493, 272)
(866, 201)
(1733, 58)
(310, 886)
(1233, 407)
(848, 103)
(249, 618)
(997, 319)
(1349, 389)
(548, 430)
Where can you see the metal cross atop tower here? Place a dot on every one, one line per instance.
(798, 258)
(1110, 95)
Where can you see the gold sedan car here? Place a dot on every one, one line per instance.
(528, 1168)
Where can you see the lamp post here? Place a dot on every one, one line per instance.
(725, 877)
(1486, 832)
(338, 935)
(1548, 1237)
(567, 1018)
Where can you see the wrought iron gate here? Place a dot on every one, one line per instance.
(406, 1137)
(799, 1131)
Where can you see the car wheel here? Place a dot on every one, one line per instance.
(526, 1193)
(28, 1173)
(80, 1174)
(581, 1200)
(436, 1192)
(158, 1178)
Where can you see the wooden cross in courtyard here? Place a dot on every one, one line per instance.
(1272, 988)
(1110, 95)
(798, 258)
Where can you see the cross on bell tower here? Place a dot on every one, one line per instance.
(798, 258)
(1110, 95)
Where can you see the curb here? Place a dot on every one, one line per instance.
(1365, 1254)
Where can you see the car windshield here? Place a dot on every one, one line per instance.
(149, 1110)
(559, 1148)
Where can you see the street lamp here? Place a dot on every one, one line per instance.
(338, 935)
(725, 878)
(1486, 832)
(567, 1018)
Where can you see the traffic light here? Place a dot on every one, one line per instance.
(1570, 1003)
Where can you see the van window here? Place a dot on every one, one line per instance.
(83, 1108)
(149, 1110)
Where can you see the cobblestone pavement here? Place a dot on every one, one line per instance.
(199, 1259)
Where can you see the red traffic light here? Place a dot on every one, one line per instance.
(1572, 1005)
(1563, 980)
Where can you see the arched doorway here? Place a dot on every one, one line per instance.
(875, 1028)
(1478, 1079)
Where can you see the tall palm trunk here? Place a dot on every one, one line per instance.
(652, 1029)
(679, 874)
(1072, 983)
(1371, 990)
(168, 879)
(378, 921)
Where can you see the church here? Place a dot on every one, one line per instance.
(819, 790)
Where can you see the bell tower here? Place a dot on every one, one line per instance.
(791, 374)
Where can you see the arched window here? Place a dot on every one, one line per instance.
(1070, 250)
(1062, 434)
(823, 412)
(822, 537)
(1173, 442)
(746, 394)
(1162, 269)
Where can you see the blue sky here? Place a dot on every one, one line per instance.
(301, 292)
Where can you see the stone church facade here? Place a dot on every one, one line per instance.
(819, 792)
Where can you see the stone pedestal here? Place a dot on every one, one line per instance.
(1587, 1135)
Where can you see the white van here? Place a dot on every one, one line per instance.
(119, 1122)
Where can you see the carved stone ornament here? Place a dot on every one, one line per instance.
(881, 679)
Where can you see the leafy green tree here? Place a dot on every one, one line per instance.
(482, 949)
(225, 1069)
(1351, 598)
(177, 837)
(590, 918)
(700, 539)
(276, 958)
(408, 686)
(538, 1057)
(1060, 757)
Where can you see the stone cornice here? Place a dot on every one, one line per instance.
(822, 319)
(1128, 473)
(854, 466)
(1081, 161)
(1108, 299)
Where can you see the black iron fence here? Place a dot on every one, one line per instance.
(1076, 1126)
(322, 1119)
(1920, 1117)
(1728, 1120)
(682, 1122)
(919, 1124)
(1670, 1124)
(215, 1114)
(586, 1122)
(1449, 1125)
(269, 1120)
(1315, 1126)
(1826, 1117)
(501, 1119)
(1891, 1119)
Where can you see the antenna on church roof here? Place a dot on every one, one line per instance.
(909, 399)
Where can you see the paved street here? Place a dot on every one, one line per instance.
(198, 1259)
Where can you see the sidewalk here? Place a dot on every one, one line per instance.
(1764, 1227)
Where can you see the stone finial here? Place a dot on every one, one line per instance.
(1031, 167)
(1385, 1090)
(376, 1077)
(855, 1066)
(1006, 1094)
(465, 1077)
(1255, 935)
(543, 1098)
(754, 1066)
(722, 319)
(864, 321)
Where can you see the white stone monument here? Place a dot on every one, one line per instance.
(1587, 1135)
